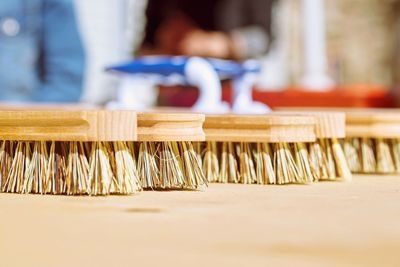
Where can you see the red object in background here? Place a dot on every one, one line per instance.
(346, 96)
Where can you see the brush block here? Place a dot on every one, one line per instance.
(72, 125)
(373, 123)
(162, 126)
(370, 123)
(272, 128)
(328, 124)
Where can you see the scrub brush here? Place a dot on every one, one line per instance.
(166, 155)
(327, 158)
(372, 143)
(258, 149)
(68, 152)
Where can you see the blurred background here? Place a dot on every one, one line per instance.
(312, 52)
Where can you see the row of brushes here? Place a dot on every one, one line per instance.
(102, 152)
(98, 152)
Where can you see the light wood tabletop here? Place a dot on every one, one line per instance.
(325, 224)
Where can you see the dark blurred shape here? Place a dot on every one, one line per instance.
(215, 28)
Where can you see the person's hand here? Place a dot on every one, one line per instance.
(206, 44)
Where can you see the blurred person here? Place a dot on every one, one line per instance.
(111, 30)
(209, 28)
(41, 56)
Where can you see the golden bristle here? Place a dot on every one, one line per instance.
(71, 168)
(377, 155)
(286, 169)
(36, 170)
(328, 160)
(318, 160)
(303, 163)
(16, 174)
(247, 172)
(55, 178)
(352, 151)
(229, 172)
(77, 180)
(147, 166)
(171, 166)
(126, 180)
(194, 176)
(100, 172)
(263, 158)
(6, 158)
(342, 168)
(210, 162)
(384, 160)
(368, 160)
(258, 163)
(395, 145)
(198, 148)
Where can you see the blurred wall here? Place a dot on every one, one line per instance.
(362, 41)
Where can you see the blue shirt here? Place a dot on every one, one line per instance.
(41, 54)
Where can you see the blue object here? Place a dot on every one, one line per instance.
(41, 55)
(175, 65)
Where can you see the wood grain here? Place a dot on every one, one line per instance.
(328, 124)
(259, 128)
(373, 123)
(163, 126)
(72, 125)
(326, 224)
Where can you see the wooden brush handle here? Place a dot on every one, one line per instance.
(273, 128)
(73, 125)
(162, 126)
(328, 124)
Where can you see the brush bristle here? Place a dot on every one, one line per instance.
(170, 165)
(328, 161)
(281, 163)
(229, 172)
(373, 155)
(210, 162)
(257, 163)
(192, 166)
(303, 163)
(70, 168)
(264, 159)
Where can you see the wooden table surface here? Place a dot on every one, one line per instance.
(325, 224)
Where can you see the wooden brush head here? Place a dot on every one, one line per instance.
(327, 124)
(271, 128)
(163, 126)
(68, 125)
(373, 123)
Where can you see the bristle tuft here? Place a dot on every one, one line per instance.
(328, 160)
(229, 171)
(211, 163)
(373, 155)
